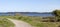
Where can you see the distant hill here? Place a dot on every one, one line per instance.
(28, 13)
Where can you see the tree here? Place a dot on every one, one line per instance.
(57, 13)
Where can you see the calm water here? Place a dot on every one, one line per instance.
(6, 14)
(42, 15)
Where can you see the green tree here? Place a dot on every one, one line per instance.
(57, 13)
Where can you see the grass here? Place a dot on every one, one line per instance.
(34, 21)
(5, 23)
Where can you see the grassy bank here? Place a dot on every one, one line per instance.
(5, 23)
(34, 21)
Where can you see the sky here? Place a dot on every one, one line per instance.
(29, 5)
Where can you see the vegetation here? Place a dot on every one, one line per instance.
(56, 12)
(37, 21)
(5, 23)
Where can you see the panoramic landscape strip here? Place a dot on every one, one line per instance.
(35, 21)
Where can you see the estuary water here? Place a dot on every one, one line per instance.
(42, 15)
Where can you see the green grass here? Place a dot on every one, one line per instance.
(34, 21)
(5, 23)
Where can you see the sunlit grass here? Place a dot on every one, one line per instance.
(5, 23)
(34, 21)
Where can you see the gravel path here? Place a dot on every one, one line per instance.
(19, 23)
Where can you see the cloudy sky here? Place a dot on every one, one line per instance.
(29, 5)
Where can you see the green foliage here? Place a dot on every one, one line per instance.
(57, 12)
(5, 23)
(57, 15)
(35, 21)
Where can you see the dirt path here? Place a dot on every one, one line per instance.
(19, 23)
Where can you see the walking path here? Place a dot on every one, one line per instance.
(19, 23)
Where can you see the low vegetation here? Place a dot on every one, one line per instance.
(31, 20)
(5, 23)
(37, 21)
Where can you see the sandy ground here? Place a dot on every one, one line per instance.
(19, 23)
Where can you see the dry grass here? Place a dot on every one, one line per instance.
(35, 21)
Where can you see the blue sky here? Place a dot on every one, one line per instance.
(29, 5)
